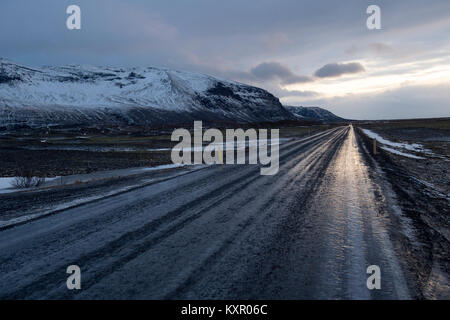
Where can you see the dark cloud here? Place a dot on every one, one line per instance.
(339, 69)
(275, 70)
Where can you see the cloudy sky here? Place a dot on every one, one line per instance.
(310, 53)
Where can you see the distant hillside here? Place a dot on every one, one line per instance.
(314, 114)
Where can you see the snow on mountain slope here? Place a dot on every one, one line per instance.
(314, 114)
(85, 95)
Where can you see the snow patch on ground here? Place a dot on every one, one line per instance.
(85, 200)
(6, 183)
(403, 145)
(402, 153)
(394, 147)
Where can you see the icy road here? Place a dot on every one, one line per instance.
(226, 232)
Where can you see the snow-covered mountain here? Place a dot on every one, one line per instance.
(313, 114)
(85, 96)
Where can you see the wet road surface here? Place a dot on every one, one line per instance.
(228, 232)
